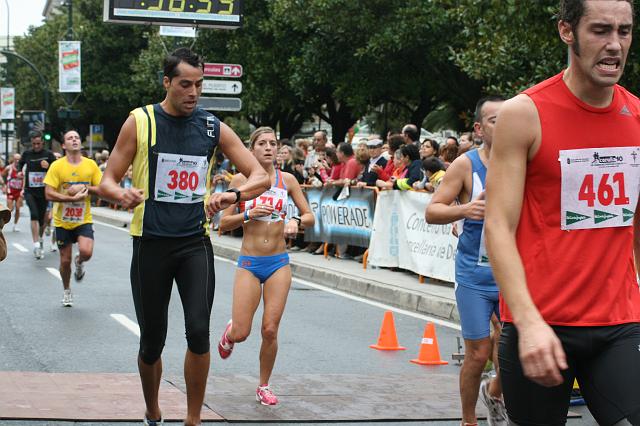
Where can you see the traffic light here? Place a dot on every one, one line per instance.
(46, 136)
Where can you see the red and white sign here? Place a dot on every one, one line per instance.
(222, 70)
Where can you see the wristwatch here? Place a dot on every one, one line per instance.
(297, 219)
(235, 191)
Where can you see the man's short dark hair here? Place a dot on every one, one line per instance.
(481, 102)
(35, 134)
(345, 148)
(182, 54)
(411, 130)
(411, 151)
(432, 165)
(571, 11)
(454, 139)
(395, 142)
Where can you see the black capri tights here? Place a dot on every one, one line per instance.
(155, 264)
(37, 206)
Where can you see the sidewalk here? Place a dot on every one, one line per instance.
(399, 289)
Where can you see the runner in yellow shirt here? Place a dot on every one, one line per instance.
(69, 182)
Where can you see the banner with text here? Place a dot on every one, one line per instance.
(69, 67)
(347, 221)
(8, 106)
(402, 238)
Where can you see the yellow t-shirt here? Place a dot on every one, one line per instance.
(61, 175)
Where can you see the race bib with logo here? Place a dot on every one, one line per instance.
(181, 178)
(36, 179)
(274, 197)
(599, 187)
(73, 212)
(15, 183)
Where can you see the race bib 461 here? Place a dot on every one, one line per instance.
(599, 187)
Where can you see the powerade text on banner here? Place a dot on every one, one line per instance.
(348, 221)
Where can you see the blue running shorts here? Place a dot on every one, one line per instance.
(262, 267)
(475, 308)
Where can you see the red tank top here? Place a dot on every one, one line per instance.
(13, 181)
(581, 277)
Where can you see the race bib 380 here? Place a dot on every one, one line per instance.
(181, 178)
(599, 187)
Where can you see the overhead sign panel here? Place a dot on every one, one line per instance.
(222, 70)
(202, 13)
(222, 87)
(220, 104)
(169, 31)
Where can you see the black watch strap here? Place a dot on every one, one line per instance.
(235, 191)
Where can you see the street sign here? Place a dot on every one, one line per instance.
(168, 31)
(220, 104)
(203, 13)
(30, 120)
(222, 87)
(222, 70)
(68, 113)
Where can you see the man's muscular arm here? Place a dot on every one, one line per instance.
(515, 137)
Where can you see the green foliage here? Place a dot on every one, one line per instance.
(395, 61)
(509, 45)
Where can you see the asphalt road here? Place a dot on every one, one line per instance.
(321, 332)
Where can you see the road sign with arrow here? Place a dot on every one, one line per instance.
(222, 87)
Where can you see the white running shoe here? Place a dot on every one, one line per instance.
(497, 412)
(78, 274)
(38, 253)
(67, 299)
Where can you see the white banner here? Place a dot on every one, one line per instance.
(402, 238)
(8, 106)
(69, 67)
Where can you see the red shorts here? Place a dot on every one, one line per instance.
(14, 195)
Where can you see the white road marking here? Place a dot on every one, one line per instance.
(428, 318)
(108, 225)
(127, 323)
(55, 273)
(20, 247)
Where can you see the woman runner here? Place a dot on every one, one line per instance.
(263, 257)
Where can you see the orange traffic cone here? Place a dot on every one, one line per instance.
(388, 341)
(429, 352)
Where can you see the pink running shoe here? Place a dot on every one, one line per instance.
(264, 395)
(225, 346)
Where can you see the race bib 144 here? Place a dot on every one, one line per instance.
(599, 187)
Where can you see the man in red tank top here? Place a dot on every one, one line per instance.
(562, 190)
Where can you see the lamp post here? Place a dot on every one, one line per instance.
(6, 123)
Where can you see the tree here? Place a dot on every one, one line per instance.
(107, 76)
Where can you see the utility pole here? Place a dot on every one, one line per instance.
(6, 123)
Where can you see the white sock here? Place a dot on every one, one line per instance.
(36, 244)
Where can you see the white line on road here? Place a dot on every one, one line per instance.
(434, 320)
(20, 247)
(108, 225)
(55, 273)
(127, 323)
